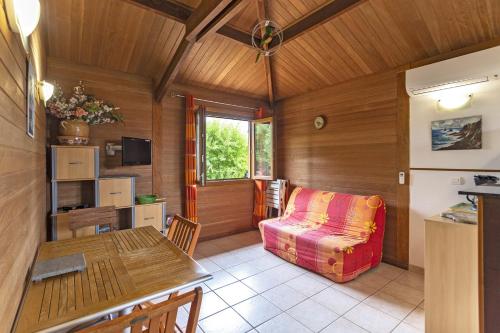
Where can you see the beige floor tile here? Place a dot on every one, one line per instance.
(343, 325)
(284, 297)
(388, 271)
(390, 305)
(404, 293)
(209, 265)
(373, 280)
(235, 293)
(307, 285)
(257, 310)
(227, 321)
(335, 300)
(355, 289)
(285, 272)
(227, 259)
(243, 271)
(411, 279)
(210, 304)
(312, 315)
(371, 319)
(261, 282)
(320, 278)
(220, 279)
(266, 262)
(405, 328)
(416, 319)
(283, 323)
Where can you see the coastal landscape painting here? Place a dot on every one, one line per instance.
(457, 134)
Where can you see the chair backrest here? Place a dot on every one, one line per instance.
(82, 218)
(158, 318)
(184, 233)
(275, 196)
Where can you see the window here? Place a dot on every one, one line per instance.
(226, 148)
(262, 152)
(230, 149)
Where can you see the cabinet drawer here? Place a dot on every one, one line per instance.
(74, 163)
(115, 192)
(149, 215)
(62, 230)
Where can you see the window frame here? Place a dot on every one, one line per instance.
(252, 146)
(201, 164)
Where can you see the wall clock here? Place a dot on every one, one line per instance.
(319, 122)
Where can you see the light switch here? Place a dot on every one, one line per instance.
(458, 181)
(402, 178)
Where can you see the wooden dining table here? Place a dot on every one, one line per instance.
(123, 268)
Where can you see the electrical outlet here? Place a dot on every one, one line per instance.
(458, 181)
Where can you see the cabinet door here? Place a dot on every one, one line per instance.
(115, 192)
(149, 215)
(74, 163)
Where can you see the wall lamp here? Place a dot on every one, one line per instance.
(451, 95)
(46, 90)
(23, 17)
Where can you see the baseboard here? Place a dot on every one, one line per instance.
(416, 269)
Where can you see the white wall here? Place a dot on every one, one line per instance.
(431, 192)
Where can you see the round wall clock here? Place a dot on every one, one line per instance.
(319, 122)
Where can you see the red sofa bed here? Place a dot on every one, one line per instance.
(334, 234)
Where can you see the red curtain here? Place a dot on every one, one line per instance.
(190, 161)
(259, 206)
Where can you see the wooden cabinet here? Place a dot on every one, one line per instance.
(451, 277)
(118, 192)
(61, 228)
(150, 214)
(74, 163)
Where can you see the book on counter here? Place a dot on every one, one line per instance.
(462, 212)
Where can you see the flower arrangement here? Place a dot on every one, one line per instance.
(81, 106)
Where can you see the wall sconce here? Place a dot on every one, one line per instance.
(46, 90)
(23, 15)
(454, 100)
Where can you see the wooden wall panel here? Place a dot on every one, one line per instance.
(223, 208)
(22, 170)
(132, 93)
(357, 151)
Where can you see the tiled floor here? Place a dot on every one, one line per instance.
(252, 290)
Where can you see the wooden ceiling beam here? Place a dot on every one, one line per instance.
(318, 17)
(225, 16)
(181, 14)
(203, 20)
(262, 13)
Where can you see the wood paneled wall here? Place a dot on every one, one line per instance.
(223, 207)
(360, 151)
(132, 93)
(22, 170)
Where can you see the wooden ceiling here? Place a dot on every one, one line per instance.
(374, 36)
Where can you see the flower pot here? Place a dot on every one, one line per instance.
(73, 132)
(74, 128)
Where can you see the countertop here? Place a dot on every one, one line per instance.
(493, 191)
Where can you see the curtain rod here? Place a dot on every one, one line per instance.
(220, 103)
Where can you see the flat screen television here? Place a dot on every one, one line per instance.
(136, 151)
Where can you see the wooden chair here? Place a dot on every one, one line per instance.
(184, 233)
(157, 318)
(275, 197)
(82, 218)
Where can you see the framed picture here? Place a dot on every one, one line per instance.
(457, 134)
(30, 98)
